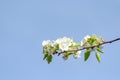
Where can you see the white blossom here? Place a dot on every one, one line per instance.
(77, 54)
(81, 42)
(64, 43)
(84, 41)
(47, 42)
(86, 37)
(68, 47)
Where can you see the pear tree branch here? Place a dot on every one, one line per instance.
(106, 42)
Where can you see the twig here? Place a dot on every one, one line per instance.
(90, 46)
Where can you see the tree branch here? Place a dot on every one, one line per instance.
(106, 42)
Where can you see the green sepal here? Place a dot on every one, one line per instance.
(98, 57)
(86, 55)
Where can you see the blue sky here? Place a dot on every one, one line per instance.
(24, 24)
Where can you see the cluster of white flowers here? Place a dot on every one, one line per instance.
(67, 47)
(46, 43)
(61, 45)
(91, 40)
(64, 43)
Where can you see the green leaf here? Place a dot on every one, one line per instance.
(98, 57)
(99, 50)
(66, 55)
(49, 59)
(45, 56)
(57, 47)
(77, 44)
(91, 41)
(86, 55)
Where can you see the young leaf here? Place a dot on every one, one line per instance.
(99, 50)
(77, 44)
(86, 55)
(69, 53)
(45, 56)
(49, 59)
(91, 41)
(57, 47)
(66, 55)
(98, 57)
